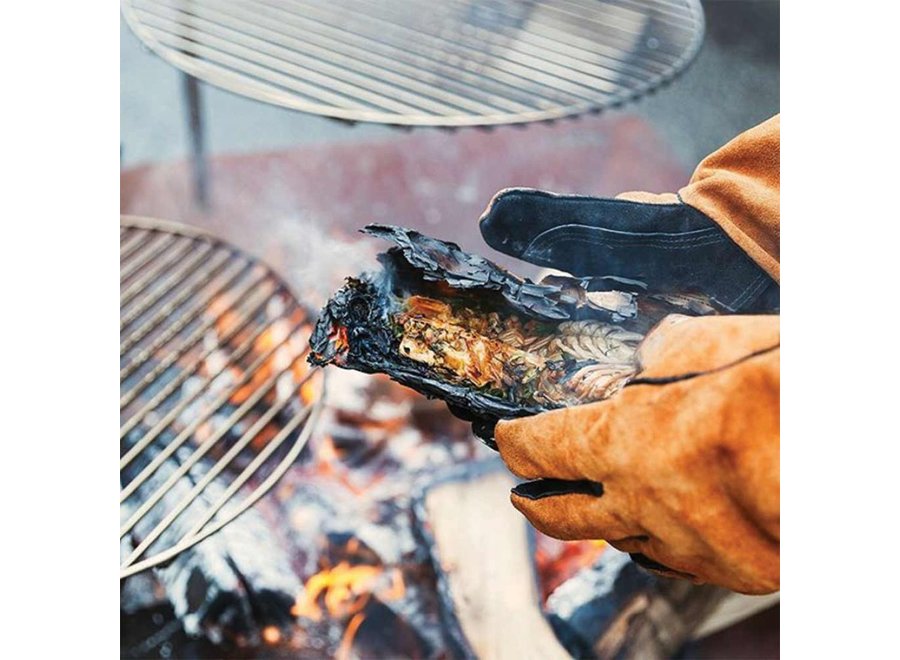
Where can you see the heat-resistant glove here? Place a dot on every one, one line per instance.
(680, 468)
(718, 236)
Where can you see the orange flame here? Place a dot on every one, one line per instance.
(344, 590)
(311, 390)
(340, 339)
(225, 318)
(557, 561)
(328, 464)
(343, 652)
(290, 356)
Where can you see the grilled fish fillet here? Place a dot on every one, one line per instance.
(526, 361)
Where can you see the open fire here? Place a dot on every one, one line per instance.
(342, 593)
(345, 519)
(347, 557)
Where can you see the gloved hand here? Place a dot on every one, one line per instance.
(687, 455)
(718, 236)
(681, 467)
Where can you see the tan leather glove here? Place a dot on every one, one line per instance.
(739, 187)
(687, 455)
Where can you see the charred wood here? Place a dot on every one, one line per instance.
(228, 586)
(615, 609)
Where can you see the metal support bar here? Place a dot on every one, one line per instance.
(194, 107)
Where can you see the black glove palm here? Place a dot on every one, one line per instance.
(657, 248)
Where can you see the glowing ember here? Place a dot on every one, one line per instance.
(557, 561)
(286, 352)
(226, 318)
(340, 343)
(271, 635)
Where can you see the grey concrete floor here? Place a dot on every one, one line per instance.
(732, 85)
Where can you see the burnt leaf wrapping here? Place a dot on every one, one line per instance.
(355, 329)
(442, 261)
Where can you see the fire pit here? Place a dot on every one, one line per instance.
(389, 532)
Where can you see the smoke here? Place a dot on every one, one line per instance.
(315, 258)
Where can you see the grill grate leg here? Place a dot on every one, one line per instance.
(194, 107)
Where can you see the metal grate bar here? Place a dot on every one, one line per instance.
(132, 242)
(167, 420)
(386, 95)
(576, 53)
(158, 246)
(476, 44)
(369, 62)
(209, 410)
(471, 36)
(433, 64)
(208, 444)
(219, 345)
(257, 303)
(236, 273)
(135, 240)
(328, 41)
(201, 532)
(548, 32)
(673, 11)
(211, 45)
(147, 325)
(456, 63)
(214, 472)
(615, 22)
(153, 272)
(530, 62)
(244, 319)
(669, 14)
(310, 91)
(187, 273)
(252, 469)
(173, 414)
(432, 41)
(517, 50)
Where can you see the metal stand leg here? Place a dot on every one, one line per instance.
(198, 146)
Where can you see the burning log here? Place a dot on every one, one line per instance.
(229, 586)
(458, 327)
(491, 604)
(377, 631)
(616, 610)
(493, 608)
(354, 557)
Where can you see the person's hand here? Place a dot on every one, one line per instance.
(719, 235)
(638, 241)
(687, 455)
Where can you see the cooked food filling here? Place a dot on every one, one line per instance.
(525, 361)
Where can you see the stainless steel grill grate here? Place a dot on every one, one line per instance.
(217, 399)
(410, 62)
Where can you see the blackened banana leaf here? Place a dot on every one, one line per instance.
(361, 328)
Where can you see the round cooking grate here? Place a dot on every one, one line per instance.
(217, 399)
(413, 62)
